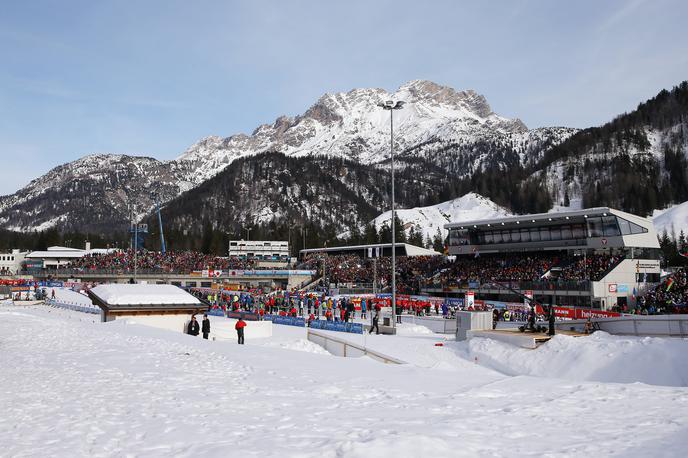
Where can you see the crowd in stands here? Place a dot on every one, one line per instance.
(670, 296)
(171, 261)
(414, 273)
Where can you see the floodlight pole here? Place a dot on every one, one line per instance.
(391, 106)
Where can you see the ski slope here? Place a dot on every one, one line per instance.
(73, 386)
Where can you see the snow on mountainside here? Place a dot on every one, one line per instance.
(94, 192)
(351, 125)
(672, 220)
(469, 207)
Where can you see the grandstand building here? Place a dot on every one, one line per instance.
(259, 249)
(628, 242)
(371, 251)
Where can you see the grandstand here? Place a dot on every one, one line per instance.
(375, 250)
(599, 256)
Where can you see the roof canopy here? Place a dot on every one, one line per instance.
(142, 296)
(410, 250)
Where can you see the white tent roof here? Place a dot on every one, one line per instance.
(125, 294)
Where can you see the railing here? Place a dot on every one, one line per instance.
(339, 347)
(550, 285)
(73, 306)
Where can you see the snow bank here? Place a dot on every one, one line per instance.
(599, 357)
(673, 219)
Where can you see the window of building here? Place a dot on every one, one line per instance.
(515, 235)
(206, 284)
(627, 228)
(610, 228)
(566, 232)
(595, 227)
(525, 235)
(578, 231)
(488, 238)
(535, 235)
(506, 236)
(544, 234)
(555, 233)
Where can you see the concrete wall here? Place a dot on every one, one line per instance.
(467, 321)
(435, 324)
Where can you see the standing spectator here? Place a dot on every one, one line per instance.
(376, 321)
(551, 320)
(193, 327)
(239, 326)
(363, 308)
(206, 326)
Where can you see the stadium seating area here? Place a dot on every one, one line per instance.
(670, 296)
(416, 272)
(172, 261)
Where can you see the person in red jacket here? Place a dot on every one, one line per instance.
(239, 326)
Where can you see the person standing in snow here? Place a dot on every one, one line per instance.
(206, 326)
(363, 308)
(376, 321)
(551, 321)
(193, 328)
(239, 326)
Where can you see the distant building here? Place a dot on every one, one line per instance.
(11, 263)
(56, 257)
(259, 249)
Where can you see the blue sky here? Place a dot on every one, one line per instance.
(152, 77)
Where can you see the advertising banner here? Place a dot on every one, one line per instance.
(470, 299)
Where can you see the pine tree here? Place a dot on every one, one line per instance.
(438, 242)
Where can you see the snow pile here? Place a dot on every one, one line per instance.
(298, 345)
(672, 220)
(599, 357)
(468, 207)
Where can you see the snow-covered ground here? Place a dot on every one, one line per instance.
(673, 219)
(428, 220)
(72, 386)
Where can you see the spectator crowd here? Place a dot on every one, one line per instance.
(171, 261)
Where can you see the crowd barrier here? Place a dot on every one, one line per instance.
(338, 326)
(73, 306)
(286, 320)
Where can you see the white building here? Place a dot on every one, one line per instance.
(56, 257)
(259, 249)
(11, 263)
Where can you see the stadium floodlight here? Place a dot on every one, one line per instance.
(392, 105)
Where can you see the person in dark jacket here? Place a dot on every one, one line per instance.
(205, 328)
(239, 326)
(376, 320)
(551, 321)
(193, 327)
(495, 318)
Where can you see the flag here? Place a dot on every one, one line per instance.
(683, 252)
(635, 292)
(446, 250)
(644, 277)
(477, 254)
(670, 283)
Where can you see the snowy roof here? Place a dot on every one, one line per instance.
(69, 254)
(137, 295)
(552, 217)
